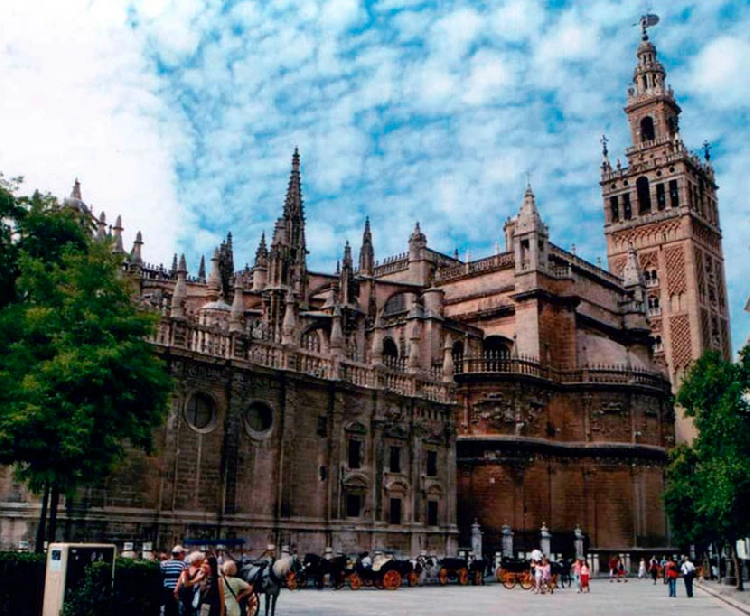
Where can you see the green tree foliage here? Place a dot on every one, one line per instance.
(79, 383)
(708, 494)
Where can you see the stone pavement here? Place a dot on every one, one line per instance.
(728, 594)
(635, 598)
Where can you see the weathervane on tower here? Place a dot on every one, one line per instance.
(648, 20)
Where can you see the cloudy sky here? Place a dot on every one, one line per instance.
(182, 115)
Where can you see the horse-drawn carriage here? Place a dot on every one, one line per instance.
(386, 572)
(513, 571)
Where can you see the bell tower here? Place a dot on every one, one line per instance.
(664, 205)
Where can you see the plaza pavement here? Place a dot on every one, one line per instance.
(635, 598)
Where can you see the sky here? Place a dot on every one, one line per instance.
(182, 116)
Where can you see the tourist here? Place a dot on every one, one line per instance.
(576, 570)
(621, 572)
(670, 574)
(212, 597)
(190, 584)
(585, 577)
(613, 568)
(171, 570)
(653, 568)
(688, 574)
(663, 567)
(536, 569)
(642, 569)
(547, 576)
(236, 589)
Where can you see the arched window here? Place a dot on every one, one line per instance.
(311, 340)
(648, 133)
(644, 195)
(390, 353)
(496, 353)
(458, 356)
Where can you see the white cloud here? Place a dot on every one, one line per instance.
(719, 73)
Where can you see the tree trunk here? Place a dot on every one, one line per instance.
(54, 502)
(40, 535)
(737, 564)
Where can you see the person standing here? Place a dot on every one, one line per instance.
(653, 568)
(577, 573)
(688, 574)
(642, 569)
(585, 576)
(212, 602)
(171, 570)
(670, 574)
(236, 589)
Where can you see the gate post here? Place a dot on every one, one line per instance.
(578, 541)
(507, 541)
(476, 539)
(546, 541)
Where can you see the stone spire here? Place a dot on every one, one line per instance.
(346, 277)
(202, 269)
(238, 306)
(175, 264)
(632, 275)
(76, 193)
(528, 217)
(101, 227)
(179, 296)
(135, 254)
(261, 255)
(289, 324)
(213, 286)
(367, 252)
(117, 247)
(226, 264)
(336, 343)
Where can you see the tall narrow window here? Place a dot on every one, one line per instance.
(432, 463)
(674, 194)
(627, 210)
(432, 513)
(395, 460)
(353, 505)
(614, 209)
(647, 129)
(395, 511)
(354, 457)
(644, 195)
(661, 197)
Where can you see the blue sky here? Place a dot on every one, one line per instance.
(182, 115)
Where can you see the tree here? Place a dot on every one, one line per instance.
(708, 493)
(79, 382)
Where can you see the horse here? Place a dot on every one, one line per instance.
(267, 576)
(316, 568)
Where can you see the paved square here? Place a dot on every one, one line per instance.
(636, 598)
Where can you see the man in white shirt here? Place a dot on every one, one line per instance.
(688, 573)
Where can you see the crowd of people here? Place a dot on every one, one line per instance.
(198, 585)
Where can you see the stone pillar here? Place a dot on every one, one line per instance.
(507, 541)
(546, 543)
(578, 541)
(476, 539)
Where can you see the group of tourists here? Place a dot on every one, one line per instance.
(197, 586)
(541, 569)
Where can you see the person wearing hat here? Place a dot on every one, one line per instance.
(171, 570)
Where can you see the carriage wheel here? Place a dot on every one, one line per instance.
(509, 580)
(291, 581)
(392, 579)
(355, 582)
(253, 604)
(477, 577)
(463, 576)
(413, 579)
(443, 576)
(527, 581)
(501, 574)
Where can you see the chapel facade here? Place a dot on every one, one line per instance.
(392, 403)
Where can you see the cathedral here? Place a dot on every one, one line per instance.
(394, 403)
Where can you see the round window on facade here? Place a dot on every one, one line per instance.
(258, 418)
(200, 411)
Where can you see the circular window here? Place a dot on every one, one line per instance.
(200, 411)
(259, 417)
